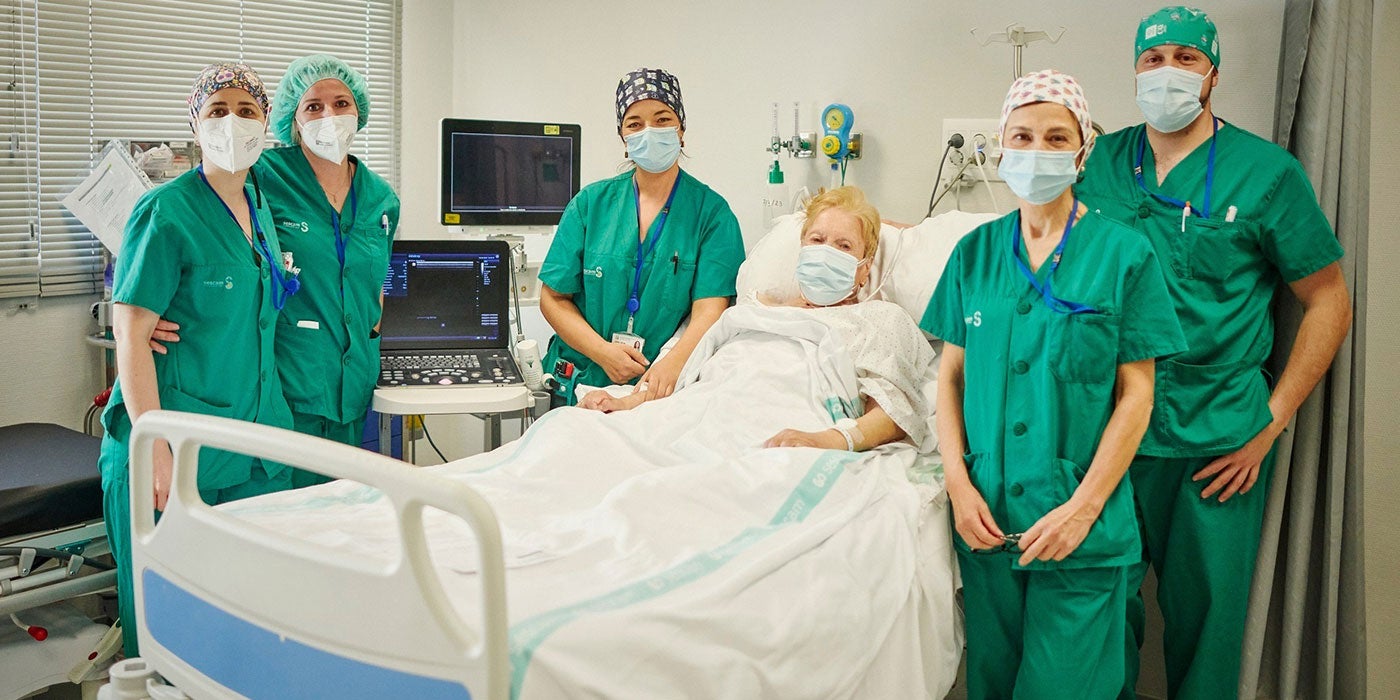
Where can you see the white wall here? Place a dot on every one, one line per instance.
(48, 374)
(903, 67)
(1381, 447)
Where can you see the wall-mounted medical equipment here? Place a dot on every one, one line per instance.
(838, 143)
(837, 121)
(799, 145)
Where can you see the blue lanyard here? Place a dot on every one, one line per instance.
(634, 302)
(285, 286)
(340, 238)
(1055, 304)
(1204, 211)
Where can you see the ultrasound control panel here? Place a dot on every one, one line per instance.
(476, 367)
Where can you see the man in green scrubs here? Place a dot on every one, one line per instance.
(184, 257)
(336, 220)
(1231, 215)
(1051, 318)
(608, 285)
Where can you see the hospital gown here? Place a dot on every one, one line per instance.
(894, 362)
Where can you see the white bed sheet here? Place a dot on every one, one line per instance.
(662, 553)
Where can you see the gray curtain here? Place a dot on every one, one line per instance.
(1306, 635)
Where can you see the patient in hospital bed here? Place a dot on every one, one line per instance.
(661, 551)
(892, 362)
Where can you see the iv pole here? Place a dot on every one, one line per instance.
(1019, 38)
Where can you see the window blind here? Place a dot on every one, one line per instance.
(105, 69)
(19, 242)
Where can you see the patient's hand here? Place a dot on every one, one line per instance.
(600, 400)
(829, 439)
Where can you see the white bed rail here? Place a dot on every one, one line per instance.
(201, 571)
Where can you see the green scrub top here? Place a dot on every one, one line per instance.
(329, 362)
(594, 253)
(1040, 382)
(1221, 274)
(184, 258)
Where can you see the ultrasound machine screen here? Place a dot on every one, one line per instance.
(445, 300)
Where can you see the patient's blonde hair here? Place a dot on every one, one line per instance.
(852, 201)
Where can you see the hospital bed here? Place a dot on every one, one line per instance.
(52, 547)
(51, 527)
(607, 567)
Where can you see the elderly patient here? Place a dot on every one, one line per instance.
(891, 358)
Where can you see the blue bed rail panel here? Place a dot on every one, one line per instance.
(257, 663)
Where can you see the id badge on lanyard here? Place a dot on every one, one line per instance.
(630, 338)
(634, 302)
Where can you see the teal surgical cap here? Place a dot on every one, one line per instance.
(300, 76)
(1179, 25)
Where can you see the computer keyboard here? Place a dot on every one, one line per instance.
(416, 362)
(484, 367)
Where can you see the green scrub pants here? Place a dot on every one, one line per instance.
(1042, 634)
(319, 426)
(116, 509)
(1203, 552)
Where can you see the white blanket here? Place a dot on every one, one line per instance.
(661, 552)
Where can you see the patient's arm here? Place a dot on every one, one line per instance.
(601, 400)
(876, 428)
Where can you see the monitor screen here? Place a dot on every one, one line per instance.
(498, 173)
(446, 294)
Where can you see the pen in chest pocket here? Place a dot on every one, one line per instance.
(675, 263)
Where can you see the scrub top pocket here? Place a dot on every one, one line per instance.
(1084, 347)
(680, 282)
(1115, 533)
(1219, 249)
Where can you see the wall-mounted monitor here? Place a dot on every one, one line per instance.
(498, 173)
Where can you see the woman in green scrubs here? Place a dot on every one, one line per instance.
(1052, 318)
(336, 219)
(201, 251)
(637, 253)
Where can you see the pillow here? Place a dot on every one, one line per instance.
(910, 261)
(905, 271)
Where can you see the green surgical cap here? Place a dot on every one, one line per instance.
(1181, 26)
(300, 76)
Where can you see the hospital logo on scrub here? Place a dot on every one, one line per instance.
(296, 226)
(226, 283)
(974, 320)
(595, 272)
(1154, 30)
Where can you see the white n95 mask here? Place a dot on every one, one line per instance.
(1169, 97)
(1038, 177)
(330, 137)
(655, 148)
(825, 275)
(232, 143)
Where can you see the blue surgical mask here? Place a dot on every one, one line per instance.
(1170, 98)
(825, 275)
(1038, 177)
(654, 149)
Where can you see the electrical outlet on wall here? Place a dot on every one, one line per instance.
(980, 140)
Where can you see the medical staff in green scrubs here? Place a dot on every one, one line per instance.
(1052, 319)
(336, 219)
(201, 251)
(637, 253)
(1230, 215)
